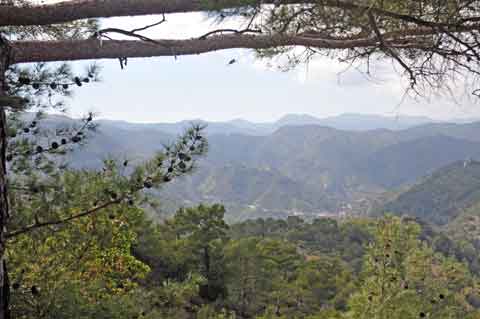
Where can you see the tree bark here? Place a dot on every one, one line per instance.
(83, 9)
(49, 51)
(4, 213)
(206, 262)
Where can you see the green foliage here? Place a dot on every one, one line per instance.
(261, 272)
(258, 269)
(72, 233)
(322, 236)
(88, 259)
(44, 85)
(208, 312)
(404, 278)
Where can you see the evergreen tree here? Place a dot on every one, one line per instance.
(404, 278)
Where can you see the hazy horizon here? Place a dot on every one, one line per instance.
(277, 119)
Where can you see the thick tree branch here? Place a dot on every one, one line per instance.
(83, 9)
(47, 51)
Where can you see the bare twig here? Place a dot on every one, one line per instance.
(102, 32)
(150, 25)
(131, 33)
(235, 31)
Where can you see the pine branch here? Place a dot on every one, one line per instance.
(389, 50)
(63, 220)
(179, 161)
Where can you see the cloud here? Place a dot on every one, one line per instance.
(177, 26)
(164, 89)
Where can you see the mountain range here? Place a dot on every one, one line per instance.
(299, 168)
(352, 122)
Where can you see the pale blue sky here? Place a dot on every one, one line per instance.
(167, 90)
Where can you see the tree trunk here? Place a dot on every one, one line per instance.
(4, 214)
(206, 262)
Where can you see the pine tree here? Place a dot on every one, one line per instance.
(404, 278)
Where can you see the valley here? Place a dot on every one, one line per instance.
(300, 169)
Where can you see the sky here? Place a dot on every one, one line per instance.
(206, 87)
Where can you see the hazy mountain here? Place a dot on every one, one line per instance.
(362, 122)
(298, 119)
(442, 196)
(353, 122)
(404, 162)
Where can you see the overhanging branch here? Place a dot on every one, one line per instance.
(48, 51)
(67, 11)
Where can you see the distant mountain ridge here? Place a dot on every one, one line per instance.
(349, 122)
